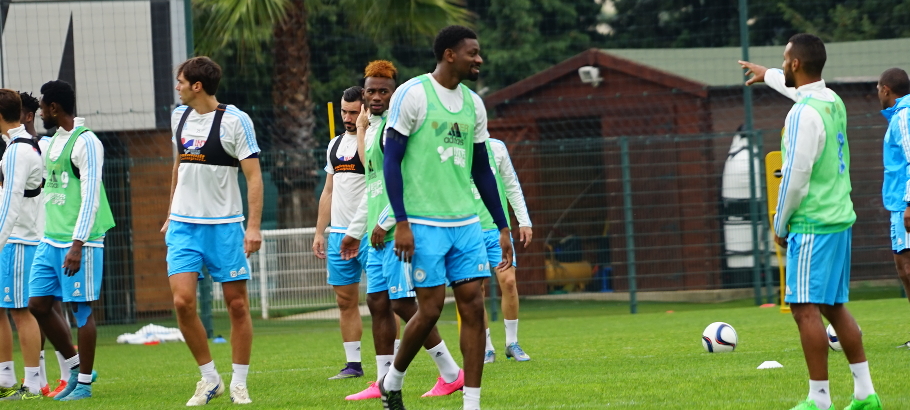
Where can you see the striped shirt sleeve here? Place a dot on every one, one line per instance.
(88, 156)
(510, 180)
(240, 136)
(386, 219)
(903, 132)
(804, 137)
(12, 193)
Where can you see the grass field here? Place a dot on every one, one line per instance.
(586, 355)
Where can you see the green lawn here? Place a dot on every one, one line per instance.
(585, 355)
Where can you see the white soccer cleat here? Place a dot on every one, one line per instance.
(240, 395)
(205, 392)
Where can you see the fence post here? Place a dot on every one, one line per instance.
(263, 281)
(755, 216)
(205, 303)
(627, 213)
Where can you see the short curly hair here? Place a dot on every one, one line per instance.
(450, 37)
(60, 92)
(381, 68)
(29, 102)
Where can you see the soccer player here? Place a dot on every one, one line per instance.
(30, 107)
(434, 145)
(69, 261)
(815, 216)
(212, 140)
(893, 86)
(382, 265)
(344, 187)
(21, 173)
(509, 190)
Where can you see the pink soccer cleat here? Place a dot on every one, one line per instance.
(371, 392)
(444, 389)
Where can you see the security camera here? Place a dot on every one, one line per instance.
(590, 75)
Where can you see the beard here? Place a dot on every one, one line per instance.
(350, 126)
(789, 81)
(49, 123)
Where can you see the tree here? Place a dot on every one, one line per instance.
(681, 23)
(522, 37)
(250, 26)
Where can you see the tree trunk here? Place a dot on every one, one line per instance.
(294, 162)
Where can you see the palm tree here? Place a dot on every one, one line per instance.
(250, 24)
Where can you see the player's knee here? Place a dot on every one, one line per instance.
(805, 315)
(237, 306)
(184, 304)
(509, 285)
(379, 303)
(38, 308)
(346, 302)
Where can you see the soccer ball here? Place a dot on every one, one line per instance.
(833, 341)
(719, 337)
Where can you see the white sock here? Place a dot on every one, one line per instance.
(85, 378)
(471, 398)
(42, 370)
(383, 363)
(352, 351)
(489, 341)
(820, 393)
(7, 374)
(72, 363)
(511, 331)
(393, 379)
(862, 381)
(209, 373)
(32, 374)
(448, 369)
(397, 343)
(240, 372)
(61, 362)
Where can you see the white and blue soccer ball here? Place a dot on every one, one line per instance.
(833, 341)
(719, 337)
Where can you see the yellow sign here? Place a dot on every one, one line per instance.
(773, 164)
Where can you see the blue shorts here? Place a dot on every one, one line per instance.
(494, 251)
(397, 274)
(345, 272)
(818, 268)
(375, 278)
(15, 267)
(218, 246)
(47, 277)
(900, 239)
(448, 255)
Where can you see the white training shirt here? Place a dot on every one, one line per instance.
(23, 169)
(804, 137)
(407, 113)
(88, 156)
(347, 187)
(210, 194)
(357, 229)
(510, 181)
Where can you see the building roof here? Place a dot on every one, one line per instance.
(595, 57)
(855, 61)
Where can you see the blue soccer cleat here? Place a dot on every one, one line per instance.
(514, 351)
(82, 391)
